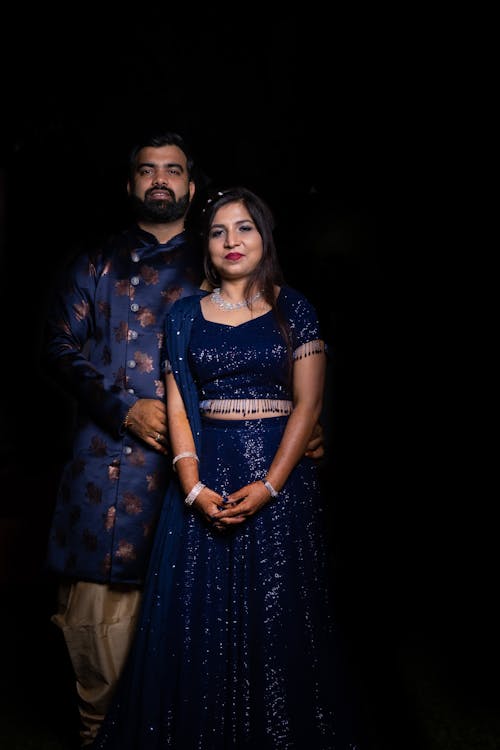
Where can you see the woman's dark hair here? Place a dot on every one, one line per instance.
(268, 272)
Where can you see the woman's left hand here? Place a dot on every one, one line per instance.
(243, 503)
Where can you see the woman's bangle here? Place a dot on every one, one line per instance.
(185, 454)
(191, 497)
(269, 487)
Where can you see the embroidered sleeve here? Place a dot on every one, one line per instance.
(302, 318)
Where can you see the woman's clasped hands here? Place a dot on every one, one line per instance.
(223, 511)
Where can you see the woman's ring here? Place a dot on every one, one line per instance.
(158, 437)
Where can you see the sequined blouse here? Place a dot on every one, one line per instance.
(251, 361)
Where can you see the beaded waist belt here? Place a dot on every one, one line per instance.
(246, 406)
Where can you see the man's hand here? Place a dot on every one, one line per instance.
(316, 445)
(148, 420)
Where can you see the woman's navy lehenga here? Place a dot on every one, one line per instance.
(236, 645)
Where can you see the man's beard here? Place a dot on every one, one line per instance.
(159, 212)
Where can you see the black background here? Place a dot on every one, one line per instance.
(304, 108)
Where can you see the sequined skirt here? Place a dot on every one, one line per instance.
(237, 645)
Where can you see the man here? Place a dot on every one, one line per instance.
(104, 344)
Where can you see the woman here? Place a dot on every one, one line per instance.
(236, 645)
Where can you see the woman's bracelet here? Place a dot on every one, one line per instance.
(191, 497)
(185, 454)
(269, 487)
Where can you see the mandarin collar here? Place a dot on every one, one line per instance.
(147, 242)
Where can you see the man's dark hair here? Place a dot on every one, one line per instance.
(157, 140)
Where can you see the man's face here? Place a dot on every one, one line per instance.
(161, 190)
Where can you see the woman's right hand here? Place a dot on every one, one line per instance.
(208, 503)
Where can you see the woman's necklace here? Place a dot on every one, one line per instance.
(217, 300)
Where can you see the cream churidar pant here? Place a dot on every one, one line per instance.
(98, 623)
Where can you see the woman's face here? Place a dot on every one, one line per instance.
(234, 243)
